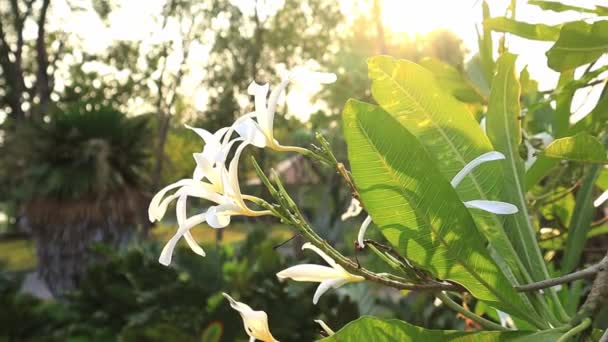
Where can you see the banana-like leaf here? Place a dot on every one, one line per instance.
(417, 209)
(582, 147)
(525, 30)
(581, 221)
(504, 130)
(385, 330)
(453, 81)
(450, 135)
(579, 43)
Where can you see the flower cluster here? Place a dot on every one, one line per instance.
(217, 183)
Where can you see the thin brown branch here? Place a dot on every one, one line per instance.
(585, 273)
(43, 80)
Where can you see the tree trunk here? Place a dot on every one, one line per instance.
(64, 252)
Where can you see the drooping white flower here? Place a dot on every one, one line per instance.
(328, 277)
(362, 231)
(259, 132)
(325, 327)
(601, 199)
(495, 207)
(354, 209)
(213, 183)
(255, 322)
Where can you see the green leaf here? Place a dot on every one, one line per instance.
(417, 209)
(213, 332)
(450, 135)
(582, 147)
(453, 81)
(581, 221)
(385, 330)
(504, 130)
(525, 30)
(602, 180)
(486, 49)
(556, 6)
(579, 43)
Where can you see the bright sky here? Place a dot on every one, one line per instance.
(140, 20)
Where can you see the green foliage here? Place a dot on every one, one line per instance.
(579, 43)
(582, 216)
(374, 329)
(453, 81)
(428, 232)
(78, 153)
(582, 147)
(560, 7)
(130, 296)
(525, 30)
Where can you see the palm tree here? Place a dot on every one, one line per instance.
(80, 178)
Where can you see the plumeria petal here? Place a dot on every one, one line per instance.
(310, 272)
(322, 254)
(219, 216)
(354, 209)
(305, 75)
(156, 210)
(486, 157)
(194, 246)
(362, 231)
(231, 184)
(251, 132)
(273, 99)
(167, 252)
(261, 111)
(204, 167)
(496, 207)
(601, 199)
(325, 286)
(158, 205)
(325, 327)
(255, 322)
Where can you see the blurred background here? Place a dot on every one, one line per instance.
(94, 95)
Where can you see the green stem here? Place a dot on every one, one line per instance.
(468, 314)
(576, 330)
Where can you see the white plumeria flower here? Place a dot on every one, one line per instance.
(329, 277)
(495, 207)
(259, 132)
(325, 327)
(354, 209)
(223, 189)
(255, 322)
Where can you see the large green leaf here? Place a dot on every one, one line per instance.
(453, 81)
(449, 134)
(417, 209)
(556, 6)
(525, 30)
(579, 43)
(504, 130)
(389, 330)
(581, 221)
(582, 147)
